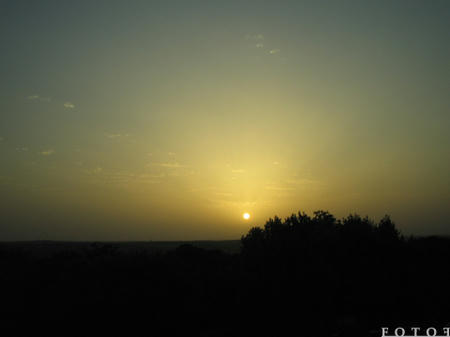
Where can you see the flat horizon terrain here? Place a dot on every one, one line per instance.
(45, 248)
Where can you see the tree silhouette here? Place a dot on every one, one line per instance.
(302, 275)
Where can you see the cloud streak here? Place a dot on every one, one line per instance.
(117, 135)
(47, 152)
(122, 179)
(38, 98)
(254, 37)
(69, 105)
(259, 41)
(168, 165)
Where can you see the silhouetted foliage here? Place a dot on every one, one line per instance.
(304, 275)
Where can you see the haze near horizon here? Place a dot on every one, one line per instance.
(152, 120)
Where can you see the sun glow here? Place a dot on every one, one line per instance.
(246, 216)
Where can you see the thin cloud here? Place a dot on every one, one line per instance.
(168, 165)
(47, 152)
(22, 149)
(285, 188)
(216, 201)
(173, 169)
(117, 135)
(257, 37)
(274, 51)
(124, 179)
(39, 98)
(183, 172)
(238, 171)
(94, 171)
(149, 178)
(69, 105)
(302, 182)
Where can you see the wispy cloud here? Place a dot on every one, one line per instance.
(168, 165)
(123, 178)
(291, 186)
(172, 168)
(259, 41)
(227, 203)
(39, 98)
(94, 171)
(238, 171)
(256, 40)
(47, 152)
(69, 105)
(22, 149)
(256, 37)
(117, 135)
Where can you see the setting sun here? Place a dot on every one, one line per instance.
(246, 216)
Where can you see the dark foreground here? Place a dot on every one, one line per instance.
(305, 276)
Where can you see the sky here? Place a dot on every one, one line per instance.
(167, 120)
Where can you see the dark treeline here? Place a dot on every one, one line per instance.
(301, 276)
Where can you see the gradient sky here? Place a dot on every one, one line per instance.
(145, 120)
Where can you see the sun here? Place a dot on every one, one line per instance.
(246, 216)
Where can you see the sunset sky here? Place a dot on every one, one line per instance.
(168, 120)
